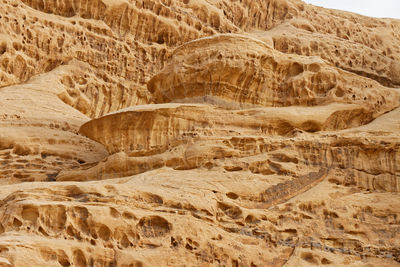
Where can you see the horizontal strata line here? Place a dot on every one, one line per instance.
(368, 172)
(382, 253)
(313, 244)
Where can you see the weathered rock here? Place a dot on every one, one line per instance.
(197, 133)
(260, 76)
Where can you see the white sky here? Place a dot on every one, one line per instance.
(372, 8)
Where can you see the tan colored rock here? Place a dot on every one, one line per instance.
(187, 136)
(153, 128)
(197, 133)
(260, 76)
(39, 133)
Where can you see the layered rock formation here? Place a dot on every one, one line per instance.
(198, 133)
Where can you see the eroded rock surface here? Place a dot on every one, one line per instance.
(198, 133)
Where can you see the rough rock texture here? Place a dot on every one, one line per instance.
(198, 133)
(261, 76)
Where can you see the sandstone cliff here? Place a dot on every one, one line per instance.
(198, 133)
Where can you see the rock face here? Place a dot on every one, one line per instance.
(198, 133)
(259, 76)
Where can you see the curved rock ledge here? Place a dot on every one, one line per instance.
(150, 129)
(261, 76)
